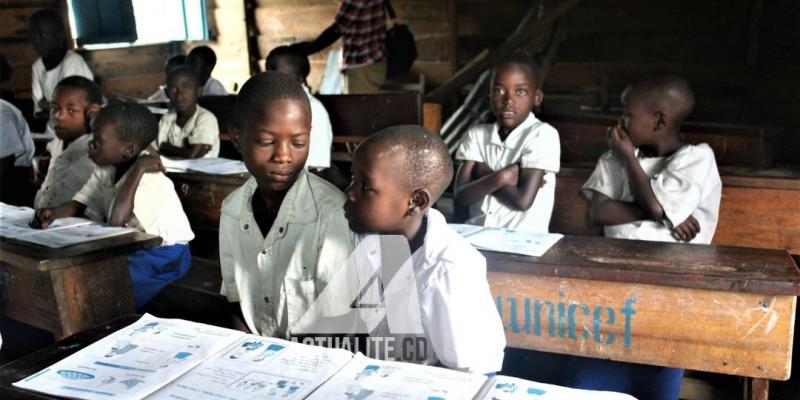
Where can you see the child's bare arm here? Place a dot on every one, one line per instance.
(189, 151)
(605, 211)
(123, 206)
(45, 216)
(469, 190)
(686, 230)
(621, 144)
(522, 195)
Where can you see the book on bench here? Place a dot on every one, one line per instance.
(156, 358)
(15, 224)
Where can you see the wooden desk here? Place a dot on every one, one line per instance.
(708, 308)
(70, 289)
(32, 363)
(759, 208)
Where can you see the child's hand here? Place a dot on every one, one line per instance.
(686, 230)
(150, 163)
(619, 142)
(43, 218)
(510, 174)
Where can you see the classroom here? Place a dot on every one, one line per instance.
(544, 199)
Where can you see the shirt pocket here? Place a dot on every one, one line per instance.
(300, 294)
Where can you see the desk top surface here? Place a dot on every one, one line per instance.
(763, 271)
(42, 258)
(34, 362)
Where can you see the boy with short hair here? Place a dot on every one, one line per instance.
(173, 62)
(286, 60)
(282, 234)
(128, 188)
(56, 61)
(651, 185)
(76, 100)
(398, 174)
(203, 60)
(187, 130)
(507, 177)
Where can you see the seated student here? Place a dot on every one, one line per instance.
(295, 64)
(507, 177)
(398, 174)
(16, 153)
(187, 130)
(282, 234)
(128, 189)
(203, 60)
(172, 62)
(651, 185)
(56, 61)
(76, 100)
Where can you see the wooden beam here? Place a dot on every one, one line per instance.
(485, 58)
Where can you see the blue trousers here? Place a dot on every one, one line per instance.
(152, 269)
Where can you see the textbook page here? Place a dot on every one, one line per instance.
(364, 378)
(132, 362)
(258, 367)
(508, 240)
(206, 165)
(15, 224)
(507, 388)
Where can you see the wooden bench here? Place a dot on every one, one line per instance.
(584, 139)
(758, 208)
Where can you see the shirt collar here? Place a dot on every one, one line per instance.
(298, 207)
(515, 135)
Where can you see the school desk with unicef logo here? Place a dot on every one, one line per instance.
(70, 289)
(719, 309)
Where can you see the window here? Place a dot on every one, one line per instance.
(120, 23)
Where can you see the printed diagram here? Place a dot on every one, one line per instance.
(248, 348)
(130, 383)
(436, 394)
(154, 328)
(121, 347)
(357, 389)
(181, 356)
(74, 375)
(376, 371)
(270, 385)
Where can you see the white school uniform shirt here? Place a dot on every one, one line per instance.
(157, 209)
(685, 183)
(15, 135)
(200, 128)
(277, 276)
(458, 314)
(532, 144)
(44, 82)
(319, 151)
(68, 171)
(213, 87)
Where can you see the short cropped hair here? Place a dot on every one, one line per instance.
(426, 160)
(133, 122)
(665, 91)
(204, 53)
(265, 88)
(49, 15)
(183, 70)
(90, 89)
(173, 62)
(297, 62)
(523, 59)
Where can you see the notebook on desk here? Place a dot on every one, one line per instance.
(507, 240)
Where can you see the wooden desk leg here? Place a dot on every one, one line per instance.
(90, 294)
(756, 389)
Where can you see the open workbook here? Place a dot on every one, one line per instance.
(507, 240)
(206, 165)
(15, 224)
(157, 358)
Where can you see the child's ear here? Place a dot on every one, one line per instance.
(419, 203)
(130, 150)
(92, 110)
(235, 139)
(661, 121)
(538, 96)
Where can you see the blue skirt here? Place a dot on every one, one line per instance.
(152, 269)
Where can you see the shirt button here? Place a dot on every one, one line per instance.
(280, 230)
(263, 252)
(246, 226)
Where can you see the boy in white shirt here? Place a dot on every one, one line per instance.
(16, 152)
(203, 60)
(287, 61)
(76, 100)
(651, 185)
(128, 188)
(187, 130)
(398, 174)
(55, 62)
(282, 234)
(507, 177)
(171, 63)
